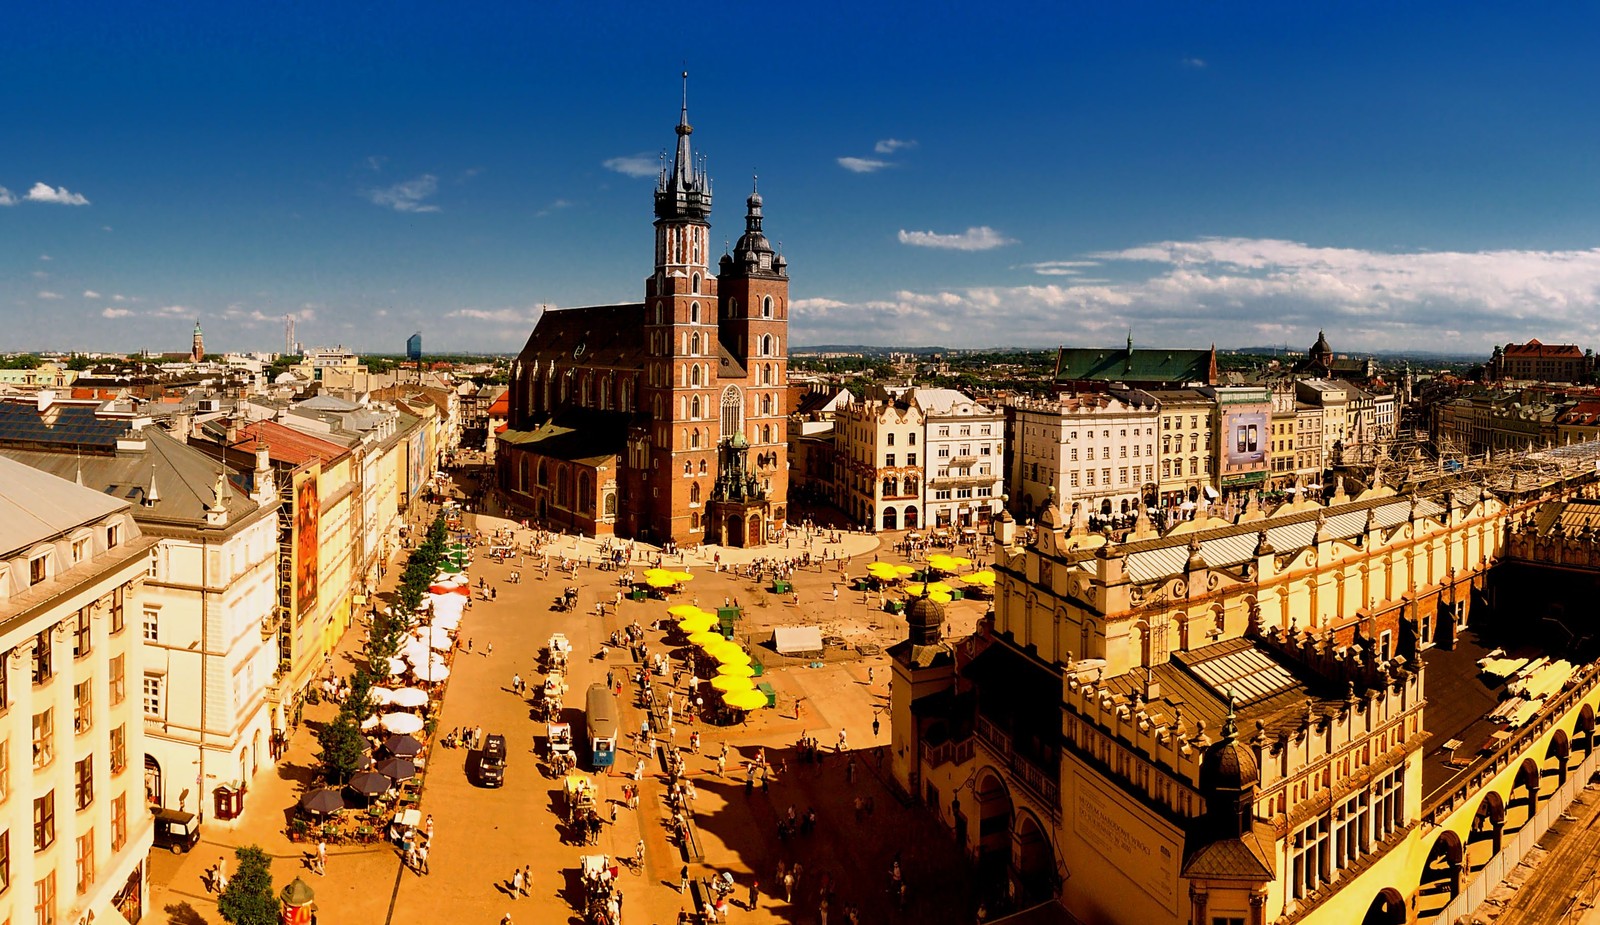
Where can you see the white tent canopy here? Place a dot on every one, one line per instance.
(409, 697)
(796, 639)
(402, 723)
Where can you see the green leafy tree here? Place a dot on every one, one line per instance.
(249, 898)
(79, 363)
(342, 748)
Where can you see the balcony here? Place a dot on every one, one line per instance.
(954, 751)
(1044, 784)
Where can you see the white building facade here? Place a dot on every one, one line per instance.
(963, 459)
(74, 830)
(1094, 453)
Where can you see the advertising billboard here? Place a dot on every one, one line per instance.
(307, 523)
(1245, 437)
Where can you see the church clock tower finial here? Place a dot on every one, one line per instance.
(684, 193)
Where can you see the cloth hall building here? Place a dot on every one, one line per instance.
(662, 419)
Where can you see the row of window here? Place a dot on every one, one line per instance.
(44, 834)
(1326, 845)
(965, 430)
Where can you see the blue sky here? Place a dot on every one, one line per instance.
(1418, 176)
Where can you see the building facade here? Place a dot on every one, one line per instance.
(74, 830)
(878, 443)
(1537, 362)
(622, 417)
(963, 460)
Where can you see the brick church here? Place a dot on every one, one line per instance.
(662, 419)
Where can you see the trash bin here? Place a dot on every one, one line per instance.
(772, 695)
(638, 594)
(955, 594)
(781, 587)
(757, 667)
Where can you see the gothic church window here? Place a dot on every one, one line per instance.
(694, 493)
(694, 281)
(766, 307)
(694, 344)
(694, 312)
(694, 403)
(732, 411)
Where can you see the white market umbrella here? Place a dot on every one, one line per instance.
(416, 652)
(402, 723)
(447, 621)
(409, 697)
(397, 666)
(432, 671)
(370, 723)
(381, 696)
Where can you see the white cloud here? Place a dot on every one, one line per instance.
(1195, 63)
(46, 257)
(515, 316)
(891, 145)
(555, 206)
(90, 294)
(7, 198)
(1059, 267)
(408, 195)
(816, 306)
(634, 165)
(115, 313)
(118, 297)
(44, 192)
(172, 311)
(979, 238)
(1251, 292)
(375, 162)
(863, 164)
(49, 295)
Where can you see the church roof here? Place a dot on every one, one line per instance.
(1533, 349)
(580, 435)
(1165, 367)
(1248, 857)
(610, 336)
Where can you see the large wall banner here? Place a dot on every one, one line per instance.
(307, 521)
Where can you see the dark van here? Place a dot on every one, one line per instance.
(492, 761)
(176, 831)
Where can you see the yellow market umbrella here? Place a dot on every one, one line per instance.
(939, 597)
(985, 578)
(684, 610)
(939, 587)
(729, 683)
(659, 581)
(886, 567)
(698, 623)
(942, 562)
(730, 654)
(914, 589)
(680, 576)
(903, 570)
(745, 700)
(706, 639)
(736, 671)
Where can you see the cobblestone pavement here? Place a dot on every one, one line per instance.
(482, 835)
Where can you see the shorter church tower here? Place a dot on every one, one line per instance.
(197, 351)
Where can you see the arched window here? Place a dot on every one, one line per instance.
(544, 473)
(733, 308)
(605, 394)
(766, 307)
(766, 404)
(694, 405)
(694, 493)
(688, 467)
(694, 375)
(694, 344)
(694, 444)
(611, 504)
(694, 312)
(766, 345)
(585, 491)
(694, 281)
(702, 467)
(563, 488)
(732, 411)
(766, 433)
(660, 313)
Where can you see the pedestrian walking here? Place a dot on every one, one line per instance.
(683, 880)
(755, 895)
(516, 882)
(527, 879)
(488, 650)
(322, 858)
(422, 859)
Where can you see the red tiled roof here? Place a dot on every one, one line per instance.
(1535, 349)
(501, 407)
(285, 444)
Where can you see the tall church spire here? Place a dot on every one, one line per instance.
(685, 191)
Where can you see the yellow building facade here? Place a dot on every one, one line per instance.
(1229, 723)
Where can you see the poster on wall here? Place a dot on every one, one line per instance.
(1246, 438)
(307, 523)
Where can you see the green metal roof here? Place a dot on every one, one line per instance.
(1136, 365)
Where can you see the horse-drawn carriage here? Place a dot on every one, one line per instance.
(553, 657)
(567, 600)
